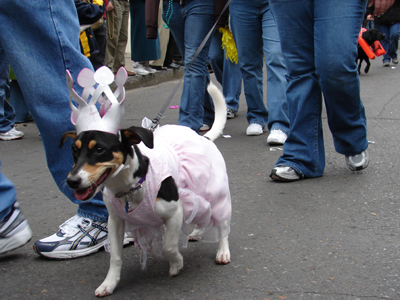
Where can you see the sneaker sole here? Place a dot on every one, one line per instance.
(71, 253)
(11, 138)
(77, 253)
(16, 241)
(276, 177)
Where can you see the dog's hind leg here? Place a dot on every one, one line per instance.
(223, 254)
(366, 70)
(116, 232)
(172, 213)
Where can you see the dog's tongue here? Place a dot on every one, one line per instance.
(82, 194)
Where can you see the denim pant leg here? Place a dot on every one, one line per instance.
(7, 114)
(40, 52)
(385, 29)
(7, 195)
(246, 27)
(276, 72)
(17, 101)
(308, 75)
(189, 24)
(226, 72)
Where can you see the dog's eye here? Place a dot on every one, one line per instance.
(99, 150)
(74, 149)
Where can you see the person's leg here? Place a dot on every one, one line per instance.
(190, 24)
(245, 20)
(394, 40)
(345, 111)
(98, 59)
(17, 101)
(226, 72)
(7, 114)
(385, 42)
(119, 59)
(48, 47)
(114, 20)
(14, 229)
(276, 72)
(304, 148)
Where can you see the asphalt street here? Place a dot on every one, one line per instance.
(333, 237)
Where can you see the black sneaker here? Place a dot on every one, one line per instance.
(14, 230)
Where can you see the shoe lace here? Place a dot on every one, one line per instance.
(71, 226)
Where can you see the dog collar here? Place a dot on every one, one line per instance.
(133, 189)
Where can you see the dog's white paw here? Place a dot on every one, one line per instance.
(105, 289)
(175, 266)
(223, 257)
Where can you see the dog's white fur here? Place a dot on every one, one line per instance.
(171, 212)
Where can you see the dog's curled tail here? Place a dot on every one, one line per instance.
(220, 112)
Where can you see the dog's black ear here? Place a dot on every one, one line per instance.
(71, 134)
(135, 135)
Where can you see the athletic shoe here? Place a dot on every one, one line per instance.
(13, 134)
(386, 64)
(254, 129)
(284, 173)
(150, 70)
(14, 230)
(357, 162)
(276, 137)
(230, 113)
(395, 61)
(76, 237)
(139, 69)
(205, 127)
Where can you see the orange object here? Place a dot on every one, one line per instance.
(378, 49)
(364, 45)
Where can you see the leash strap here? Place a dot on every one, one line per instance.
(156, 120)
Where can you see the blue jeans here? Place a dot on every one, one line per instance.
(17, 101)
(319, 43)
(7, 114)
(190, 22)
(40, 48)
(254, 30)
(391, 41)
(226, 72)
(7, 195)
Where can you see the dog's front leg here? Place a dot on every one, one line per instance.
(223, 253)
(172, 213)
(116, 232)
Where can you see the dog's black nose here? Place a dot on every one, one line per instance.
(74, 181)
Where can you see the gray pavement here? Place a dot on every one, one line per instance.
(334, 237)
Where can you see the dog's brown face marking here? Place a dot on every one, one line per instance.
(92, 143)
(95, 151)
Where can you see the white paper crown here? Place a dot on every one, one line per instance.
(86, 116)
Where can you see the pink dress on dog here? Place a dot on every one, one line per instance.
(199, 171)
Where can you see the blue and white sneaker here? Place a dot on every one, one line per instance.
(77, 237)
(14, 230)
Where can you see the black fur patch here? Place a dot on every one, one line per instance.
(168, 190)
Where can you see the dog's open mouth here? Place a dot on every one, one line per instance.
(88, 192)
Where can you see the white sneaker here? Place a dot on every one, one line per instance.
(205, 127)
(357, 162)
(254, 129)
(13, 134)
(139, 69)
(150, 70)
(276, 137)
(284, 173)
